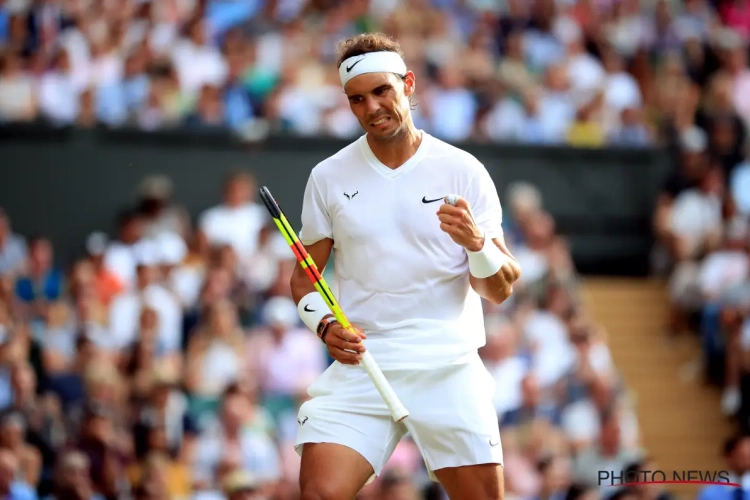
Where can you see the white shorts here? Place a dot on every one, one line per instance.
(451, 416)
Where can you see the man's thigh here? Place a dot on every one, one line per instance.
(473, 482)
(332, 472)
(349, 430)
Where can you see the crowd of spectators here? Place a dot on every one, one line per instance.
(581, 72)
(702, 214)
(167, 362)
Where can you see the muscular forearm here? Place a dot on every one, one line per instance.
(300, 285)
(498, 287)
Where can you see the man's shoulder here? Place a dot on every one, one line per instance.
(452, 154)
(342, 159)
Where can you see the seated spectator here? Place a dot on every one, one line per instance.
(505, 363)
(653, 490)
(286, 358)
(241, 433)
(12, 437)
(58, 95)
(695, 226)
(632, 131)
(531, 408)
(587, 130)
(13, 250)
(238, 220)
(72, 478)
(126, 308)
(148, 355)
(166, 407)
(215, 357)
(10, 485)
(555, 472)
(737, 457)
(607, 451)
(739, 186)
(162, 477)
(209, 111)
(18, 101)
(58, 340)
(546, 333)
(42, 283)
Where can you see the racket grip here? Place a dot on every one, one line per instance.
(397, 408)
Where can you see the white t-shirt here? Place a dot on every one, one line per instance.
(399, 276)
(239, 227)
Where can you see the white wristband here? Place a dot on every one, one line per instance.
(311, 309)
(488, 261)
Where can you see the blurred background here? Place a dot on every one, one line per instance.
(149, 345)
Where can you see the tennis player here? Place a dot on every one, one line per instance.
(410, 270)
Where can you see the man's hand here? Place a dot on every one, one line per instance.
(458, 222)
(340, 341)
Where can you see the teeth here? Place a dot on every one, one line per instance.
(382, 120)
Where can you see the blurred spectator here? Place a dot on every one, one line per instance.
(238, 220)
(160, 213)
(18, 101)
(12, 248)
(737, 456)
(10, 485)
(42, 283)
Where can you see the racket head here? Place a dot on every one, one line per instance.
(270, 202)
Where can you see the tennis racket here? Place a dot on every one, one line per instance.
(396, 407)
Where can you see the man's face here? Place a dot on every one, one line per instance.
(380, 101)
(238, 192)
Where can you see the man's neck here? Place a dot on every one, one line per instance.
(396, 151)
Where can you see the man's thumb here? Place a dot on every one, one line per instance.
(456, 201)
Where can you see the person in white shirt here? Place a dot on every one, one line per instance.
(120, 255)
(411, 270)
(238, 220)
(126, 308)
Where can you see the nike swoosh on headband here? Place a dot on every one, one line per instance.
(349, 68)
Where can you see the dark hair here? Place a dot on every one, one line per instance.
(127, 216)
(366, 43)
(370, 42)
(731, 444)
(624, 494)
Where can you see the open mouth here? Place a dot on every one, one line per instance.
(380, 121)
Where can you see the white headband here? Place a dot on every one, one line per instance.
(372, 62)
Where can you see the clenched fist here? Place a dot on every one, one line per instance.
(458, 222)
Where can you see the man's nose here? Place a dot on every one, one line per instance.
(371, 105)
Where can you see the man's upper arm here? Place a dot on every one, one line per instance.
(316, 221)
(485, 204)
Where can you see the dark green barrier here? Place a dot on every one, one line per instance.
(67, 183)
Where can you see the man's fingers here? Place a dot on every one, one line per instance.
(447, 228)
(342, 356)
(449, 219)
(348, 335)
(348, 346)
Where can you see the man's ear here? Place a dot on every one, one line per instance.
(410, 83)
